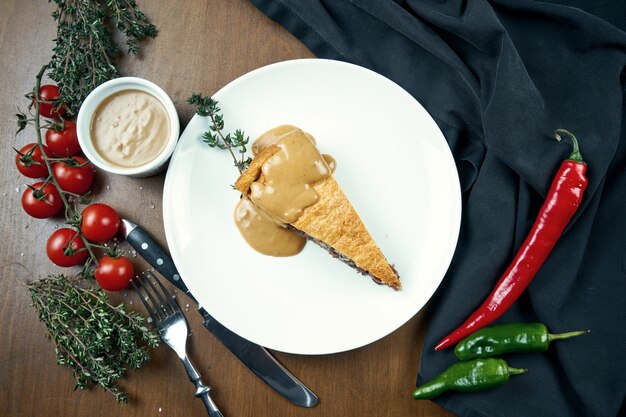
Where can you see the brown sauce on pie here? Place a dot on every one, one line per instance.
(264, 233)
(283, 191)
(332, 164)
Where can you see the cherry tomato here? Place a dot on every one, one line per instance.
(114, 274)
(41, 201)
(74, 175)
(33, 165)
(99, 222)
(59, 242)
(63, 142)
(48, 93)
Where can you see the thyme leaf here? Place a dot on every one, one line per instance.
(85, 50)
(96, 340)
(214, 137)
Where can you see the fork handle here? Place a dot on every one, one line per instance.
(202, 391)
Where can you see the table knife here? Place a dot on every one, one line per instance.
(254, 356)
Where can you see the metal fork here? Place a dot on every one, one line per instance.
(173, 329)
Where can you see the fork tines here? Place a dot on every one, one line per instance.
(164, 307)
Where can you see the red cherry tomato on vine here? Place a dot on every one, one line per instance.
(74, 175)
(48, 107)
(58, 246)
(33, 165)
(99, 222)
(63, 142)
(41, 200)
(114, 274)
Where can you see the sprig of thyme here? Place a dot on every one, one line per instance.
(85, 51)
(95, 339)
(235, 142)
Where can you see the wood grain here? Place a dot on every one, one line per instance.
(201, 46)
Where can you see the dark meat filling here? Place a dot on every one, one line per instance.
(335, 254)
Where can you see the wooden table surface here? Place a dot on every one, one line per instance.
(201, 46)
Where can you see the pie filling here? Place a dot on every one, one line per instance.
(343, 258)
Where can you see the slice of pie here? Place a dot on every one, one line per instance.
(330, 221)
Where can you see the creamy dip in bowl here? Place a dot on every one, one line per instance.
(128, 126)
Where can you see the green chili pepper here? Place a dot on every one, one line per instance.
(505, 338)
(469, 376)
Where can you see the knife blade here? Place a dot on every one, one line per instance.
(254, 356)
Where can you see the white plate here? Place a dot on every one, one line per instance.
(393, 163)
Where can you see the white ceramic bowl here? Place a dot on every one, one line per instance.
(90, 105)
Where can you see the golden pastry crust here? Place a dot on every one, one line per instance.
(254, 170)
(335, 222)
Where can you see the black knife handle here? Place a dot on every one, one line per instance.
(150, 250)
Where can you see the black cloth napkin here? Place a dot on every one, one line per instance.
(498, 77)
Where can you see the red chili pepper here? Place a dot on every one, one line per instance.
(562, 201)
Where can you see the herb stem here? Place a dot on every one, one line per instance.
(85, 50)
(93, 338)
(214, 137)
(85, 370)
(230, 148)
